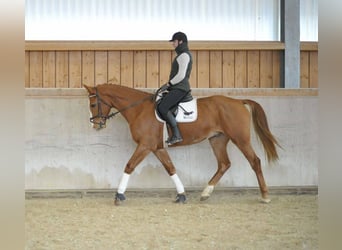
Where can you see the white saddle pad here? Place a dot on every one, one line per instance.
(187, 112)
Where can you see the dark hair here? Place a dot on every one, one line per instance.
(180, 36)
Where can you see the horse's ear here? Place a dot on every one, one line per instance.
(88, 88)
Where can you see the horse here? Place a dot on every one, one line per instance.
(220, 119)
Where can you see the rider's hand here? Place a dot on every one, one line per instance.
(164, 87)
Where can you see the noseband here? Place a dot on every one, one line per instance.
(100, 101)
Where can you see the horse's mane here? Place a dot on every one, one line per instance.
(129, 92)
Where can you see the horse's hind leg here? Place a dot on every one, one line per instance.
(254, 161)
(219, 146)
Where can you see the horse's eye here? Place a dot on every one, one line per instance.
(93, 105)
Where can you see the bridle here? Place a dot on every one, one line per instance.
(100, 101)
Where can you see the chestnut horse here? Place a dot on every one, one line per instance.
(220, 119)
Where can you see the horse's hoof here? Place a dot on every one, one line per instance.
(265, 200)
(180, 199)
(204, 198)
(119, 198)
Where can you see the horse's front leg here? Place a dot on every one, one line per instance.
(139, 154)
(165, 159)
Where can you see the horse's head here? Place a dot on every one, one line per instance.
(99, 108)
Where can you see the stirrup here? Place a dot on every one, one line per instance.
(174, 140)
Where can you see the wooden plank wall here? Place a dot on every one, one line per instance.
(309, 66)
(147, 64)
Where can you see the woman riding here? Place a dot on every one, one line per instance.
(178, 85)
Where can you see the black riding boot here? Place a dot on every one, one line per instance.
(176, 136)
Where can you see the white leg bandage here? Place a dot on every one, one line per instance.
(208, 190)
(123, 183)
(178, 183)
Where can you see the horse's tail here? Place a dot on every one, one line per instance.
(262, 130)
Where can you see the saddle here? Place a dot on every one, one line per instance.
(185, 111)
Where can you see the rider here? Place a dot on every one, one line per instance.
(178, 85)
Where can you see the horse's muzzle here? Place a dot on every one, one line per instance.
(98, 123)
(99, 126)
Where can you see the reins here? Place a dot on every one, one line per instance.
(129, 106)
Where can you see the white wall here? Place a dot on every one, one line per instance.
(63, 152)
(256, 20)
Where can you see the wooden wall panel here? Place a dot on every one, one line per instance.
(27, 69)
(75, 69)
(225, 65)
(253, 67)
(203, 69)
(49, 69)
(194, 74)
(266, 69)
(152, 69)
(309, 65)
(127, 68)
(139, 69)
(114, 66)
(304, 69)
(36, 69)
(276, 69)
(62, 69)
(101, 67)
(240, 69)
(228, 69)
(215, 69)
(313, 69)
(88, 68)
(164, 66)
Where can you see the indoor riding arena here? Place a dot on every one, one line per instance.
(266, 52)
